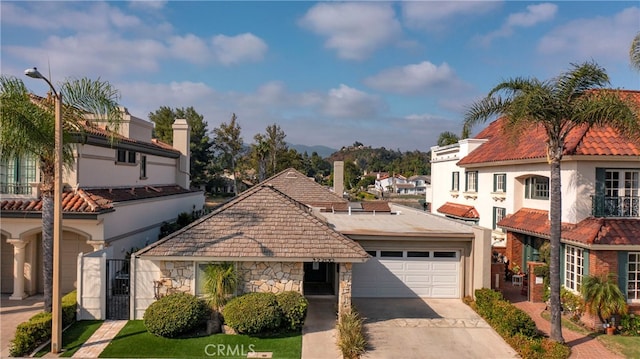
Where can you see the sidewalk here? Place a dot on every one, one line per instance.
(100, 339)
(582, 346)
(318, 332)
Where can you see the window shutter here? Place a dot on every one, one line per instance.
(585, 262)
(563, 263)
(504, 184)
(494, 217)
(527, 188)
(495, 188)
(598, 199)
(623, 274)
(466, 181)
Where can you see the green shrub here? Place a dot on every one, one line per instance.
(37, 329)
(485, 300)
(572, 304)
(509, 320)
(351, 341)
(538, 348)
(630, 324)
(175, 314)
(293, 306)
(253, 313)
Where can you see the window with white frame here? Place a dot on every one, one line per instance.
(472, 181)
(499, 182)
(622, 190)
(536, 187)
(455, 181)
(498, 215)
(633, 277)
(573, 268)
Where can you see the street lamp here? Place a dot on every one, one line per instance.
(56, 313)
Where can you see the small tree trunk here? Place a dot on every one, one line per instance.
(554, 267)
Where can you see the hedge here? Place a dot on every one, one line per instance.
(176, 314)
(293, 306)
(516, 327)
(37, 330)
(253, 313)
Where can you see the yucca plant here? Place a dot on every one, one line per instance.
(603, 297)
(351, 340)
(220, 284)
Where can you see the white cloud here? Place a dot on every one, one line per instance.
(534, 15)
(347, 102)
(147, 4)
(415, 79)
(355, 30)
(230, 50)
(435, 15)
(190, 48)
(582, 39)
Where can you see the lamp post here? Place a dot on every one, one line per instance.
(56, 312)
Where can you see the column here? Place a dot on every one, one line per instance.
(18, 269)
(97, 245)
(344, 291)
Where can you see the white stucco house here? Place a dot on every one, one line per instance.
(503, 185)
(115, 195)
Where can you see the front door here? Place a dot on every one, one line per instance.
(319, 278)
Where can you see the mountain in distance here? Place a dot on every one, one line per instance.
(323, 151)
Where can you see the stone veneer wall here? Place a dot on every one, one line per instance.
(177, 276)
(344, 289)
(275, 277)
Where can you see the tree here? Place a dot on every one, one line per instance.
(27, 129)
(575, 98)
(163, 119)
(274, 137)
(603, 297)
(200, 144)
(259, 152)
(634, 52)
(447, 138)
(228, 141)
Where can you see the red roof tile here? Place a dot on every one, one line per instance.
(95, 200)
(598, 140)
(616, 231)
(459, 210)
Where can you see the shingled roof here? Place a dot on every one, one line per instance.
(260, 224)
(90, 201)
(613, 231)
(304, 189)
(594, 141)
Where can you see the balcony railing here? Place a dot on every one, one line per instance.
(603, 206)
(15, 188)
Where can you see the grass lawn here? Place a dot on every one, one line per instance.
(74, 337)
(134, 341)
(629, 347)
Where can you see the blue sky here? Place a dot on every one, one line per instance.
(392, 74)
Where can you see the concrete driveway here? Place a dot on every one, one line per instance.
(428, 328)
(12, 313)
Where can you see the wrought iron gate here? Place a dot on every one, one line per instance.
(117, 289)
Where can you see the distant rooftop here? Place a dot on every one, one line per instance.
(402, 221)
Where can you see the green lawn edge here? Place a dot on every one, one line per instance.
(134, 341)
(73, 338)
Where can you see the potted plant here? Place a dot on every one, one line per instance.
(604, 299)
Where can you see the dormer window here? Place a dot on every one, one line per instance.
(536, 187)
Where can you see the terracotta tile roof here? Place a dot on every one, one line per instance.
(262, 222)
(95, 200)
(459, 210)
(616, 231)
(599, 140)
(304, 189)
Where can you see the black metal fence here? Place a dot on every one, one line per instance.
(117, 289)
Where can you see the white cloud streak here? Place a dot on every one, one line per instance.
(355, 29)
(534, 15)
(416, 79)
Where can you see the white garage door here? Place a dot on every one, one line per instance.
(404, 274)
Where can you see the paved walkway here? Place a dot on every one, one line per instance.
(582, 346)
(12, 313)
(100, 339)
(319, 330)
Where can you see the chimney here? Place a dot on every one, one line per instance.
(181, 142)
(338, 177)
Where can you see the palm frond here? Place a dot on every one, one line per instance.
(579, 79)
(634, 52)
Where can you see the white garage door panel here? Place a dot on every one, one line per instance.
(407, 277)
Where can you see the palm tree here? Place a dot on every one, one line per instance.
(603, 297)
(27, 129)
(634, 52)
(557, 106)
(447, 138)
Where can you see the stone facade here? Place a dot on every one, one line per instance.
(177, 276)
(275, 277)
(344, 288)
